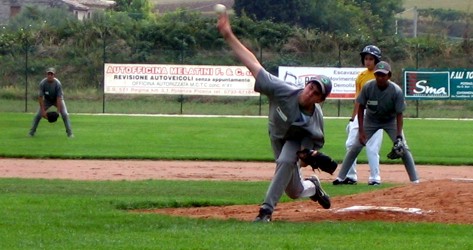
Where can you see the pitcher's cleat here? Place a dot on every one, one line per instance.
(264, 215)
(320, 196)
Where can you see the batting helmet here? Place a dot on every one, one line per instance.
(324, 83)
(370, 50)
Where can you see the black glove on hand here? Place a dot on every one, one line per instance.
(52, 116)
(398, 149)
(318, 161)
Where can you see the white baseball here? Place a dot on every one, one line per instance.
(220, 8)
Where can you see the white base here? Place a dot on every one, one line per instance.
(383, 209)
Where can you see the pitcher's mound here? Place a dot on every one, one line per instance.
(443, 201)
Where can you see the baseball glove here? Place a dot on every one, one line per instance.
(398, 149)
(52, 116)
(318, 161)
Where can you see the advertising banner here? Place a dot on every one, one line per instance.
(178, 80)
(343, 79)
(431, 84)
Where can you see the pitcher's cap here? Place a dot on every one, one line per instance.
(51, 70)
(324, 83)
(382, 67)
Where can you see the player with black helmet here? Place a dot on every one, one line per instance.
(381, 107)
(370, 56)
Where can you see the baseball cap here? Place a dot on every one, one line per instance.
(382, 67)
(51, 70)
(324, 83)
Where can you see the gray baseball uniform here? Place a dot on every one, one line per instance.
(289, 130)
(50, 91)
(382, 106)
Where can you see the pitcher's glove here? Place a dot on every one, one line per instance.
(398, 149)
(318, 161)
(52, 116)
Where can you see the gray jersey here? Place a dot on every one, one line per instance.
(50, 90)
(381, 105)
(286, 120)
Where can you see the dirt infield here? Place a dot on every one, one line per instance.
(444, 194)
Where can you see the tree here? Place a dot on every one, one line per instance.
(384, 11)
(371, 17)
(280, 11)
(137, 9)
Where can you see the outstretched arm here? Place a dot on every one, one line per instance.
(243, 54)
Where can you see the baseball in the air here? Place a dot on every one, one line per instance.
(220, 8)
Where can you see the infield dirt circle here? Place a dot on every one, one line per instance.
(444, 194)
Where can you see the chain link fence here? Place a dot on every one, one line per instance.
(81, 73)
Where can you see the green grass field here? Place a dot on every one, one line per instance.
(444, 142)
(58, 214)
(61, 214)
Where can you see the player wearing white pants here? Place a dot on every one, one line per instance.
(370, 56)
(372, 152)
(381, 107)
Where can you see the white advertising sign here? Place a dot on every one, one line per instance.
(343, 79)
(178, 79)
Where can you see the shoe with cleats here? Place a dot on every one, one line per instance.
(264, 215)
(320, 196)
(348, 181)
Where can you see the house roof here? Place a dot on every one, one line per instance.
(87, 4)
(97, 3)
(74, 4)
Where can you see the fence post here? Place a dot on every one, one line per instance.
(261, 60)
(181, 59)
(417, 67)
(26, 45)
(339, 65)
(104, 61)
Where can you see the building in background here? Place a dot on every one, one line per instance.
(82, 9)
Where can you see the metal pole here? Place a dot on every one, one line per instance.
(416, 16)
(261, 60)
(339, 105)
(417, 108)
(26, 74)
(417, 67)
(104, 61)
(417, 55)
(182, 62)
(339, 65)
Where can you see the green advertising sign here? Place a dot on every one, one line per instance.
(423, 84)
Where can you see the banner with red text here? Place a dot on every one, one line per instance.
(178, 79)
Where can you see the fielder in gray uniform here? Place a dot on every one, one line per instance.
(384, 104)
(295, 122)
(51, 94)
